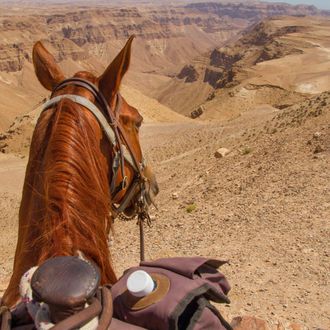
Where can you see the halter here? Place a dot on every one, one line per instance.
(120, 145)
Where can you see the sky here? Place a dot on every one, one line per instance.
(322, 4)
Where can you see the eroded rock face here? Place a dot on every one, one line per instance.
(86, 34)
(12, 57)
(219, 78)
(79, 33)
(259, 43)
(197, 113)
(256, 11)
(93, 28)
(276, 50)
(188, 73)
(220, 59)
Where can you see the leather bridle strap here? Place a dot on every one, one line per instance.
(100, 99)
(112, 130)
(118, 130)
(109, 132)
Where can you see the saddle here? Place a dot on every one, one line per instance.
(65, 294)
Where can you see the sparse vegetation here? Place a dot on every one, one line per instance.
(191, 208)
(246, 150)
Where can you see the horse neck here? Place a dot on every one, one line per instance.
(65, 205)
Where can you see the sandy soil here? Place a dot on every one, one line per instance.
(265, 207)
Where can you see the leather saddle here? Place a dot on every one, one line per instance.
(67, 292)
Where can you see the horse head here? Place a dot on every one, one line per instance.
(125, 116)
(85, 166)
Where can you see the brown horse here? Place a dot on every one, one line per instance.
(67, 204)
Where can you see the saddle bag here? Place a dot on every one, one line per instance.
(181, 299)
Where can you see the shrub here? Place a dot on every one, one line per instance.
(191, 208)
(246, 151)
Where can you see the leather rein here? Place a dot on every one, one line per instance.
(120, 145)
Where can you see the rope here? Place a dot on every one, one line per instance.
(142, 256)
(143, 216)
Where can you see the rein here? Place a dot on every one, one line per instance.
(121, 147)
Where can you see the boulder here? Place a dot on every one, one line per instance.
(222, 152)
(175, 195)
(318, 149)
(292, 326)
(197, 113)
(249, 323)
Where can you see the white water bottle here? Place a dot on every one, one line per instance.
(140, 284)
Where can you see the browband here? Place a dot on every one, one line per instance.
(108, 130)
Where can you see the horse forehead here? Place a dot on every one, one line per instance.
(86, 75)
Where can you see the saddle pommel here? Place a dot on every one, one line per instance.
(65, 284)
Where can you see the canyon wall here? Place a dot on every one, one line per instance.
(81, 33)
(168, 39)
(82, 37)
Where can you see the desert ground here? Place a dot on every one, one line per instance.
(264, 206)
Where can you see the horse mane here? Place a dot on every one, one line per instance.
(66, 198)
(76, 189)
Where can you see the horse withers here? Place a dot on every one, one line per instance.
(85, 166)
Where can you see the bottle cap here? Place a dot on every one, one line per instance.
(140, 283)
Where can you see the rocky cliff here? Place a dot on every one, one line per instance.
(264, 41)
(88, 37)
(226, 66)
(255, 11)
(81, 33)
(271, 62)
(200, 45)
(91, 30)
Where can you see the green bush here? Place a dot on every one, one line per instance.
(246, 151)
(191, 208)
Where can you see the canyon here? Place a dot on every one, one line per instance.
(83, 38)
(278, 61)
(168, 37)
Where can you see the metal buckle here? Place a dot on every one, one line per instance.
(124, 183)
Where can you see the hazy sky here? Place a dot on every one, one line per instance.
(322, 4)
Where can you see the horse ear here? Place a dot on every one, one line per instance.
(48, 72)
(109, 81)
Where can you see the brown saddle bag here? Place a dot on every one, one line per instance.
(181, 299)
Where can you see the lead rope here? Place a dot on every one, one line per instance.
(143, 216)
(140, 222)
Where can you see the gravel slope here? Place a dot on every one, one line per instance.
(265, 207)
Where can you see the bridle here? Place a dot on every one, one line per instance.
(121, 147)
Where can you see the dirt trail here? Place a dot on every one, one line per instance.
(11, 180)
(264, 207)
